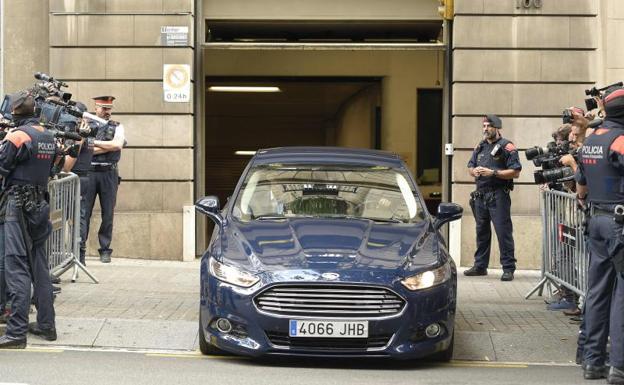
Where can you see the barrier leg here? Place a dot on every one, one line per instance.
(539, 286)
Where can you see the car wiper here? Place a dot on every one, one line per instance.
(385, 220)
(269, 217)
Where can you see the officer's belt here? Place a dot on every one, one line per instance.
(38, 193)
(485, 190)
(81, 172)
(103, 166)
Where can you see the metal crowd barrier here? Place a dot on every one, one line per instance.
(564, 256)
(63, 245)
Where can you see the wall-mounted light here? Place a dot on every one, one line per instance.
(244, 153)
(243, 89)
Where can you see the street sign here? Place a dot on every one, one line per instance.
(174, 36)
(177, 83)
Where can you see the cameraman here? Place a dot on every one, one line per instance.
(81, 166)
(26, 159)
(600, 181)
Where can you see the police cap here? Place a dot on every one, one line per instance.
(614, 102)
(493, 120)
(104, 101)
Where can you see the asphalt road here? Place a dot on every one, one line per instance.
(58, 367)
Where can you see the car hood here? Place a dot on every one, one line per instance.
(353, 248)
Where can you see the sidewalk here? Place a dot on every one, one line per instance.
(154, 305)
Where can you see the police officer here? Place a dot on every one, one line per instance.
(104, 176)
(81, 166)
(26, 158)
(600, 184)
(494, 164)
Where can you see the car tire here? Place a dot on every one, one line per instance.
(447, 354)
(205, 347)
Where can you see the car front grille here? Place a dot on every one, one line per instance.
(336, 301)
(332, 344)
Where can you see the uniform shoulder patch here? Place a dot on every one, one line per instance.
(18, 138)
(510, 147)
(618, 145)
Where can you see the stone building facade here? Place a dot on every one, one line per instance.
(524, 63)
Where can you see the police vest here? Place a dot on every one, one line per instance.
(83, 163)
(604, 182)
(35, 168)
(106, 133)
(498, 161)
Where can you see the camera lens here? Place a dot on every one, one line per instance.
(552, 175)
(534, 152)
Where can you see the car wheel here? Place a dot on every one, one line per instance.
(204, 346)
(445, 355)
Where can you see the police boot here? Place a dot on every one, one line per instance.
(46, 334)
(475, 271)
(7, 342)
(591, 372)
(105, 256)
(616, 376)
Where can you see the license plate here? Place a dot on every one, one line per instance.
(333, 329)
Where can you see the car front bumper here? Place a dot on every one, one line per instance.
(256, 333)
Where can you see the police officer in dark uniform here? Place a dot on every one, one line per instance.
(494, 164)
(26, 159)
(600, 185)
(104, 176)
(81, 166)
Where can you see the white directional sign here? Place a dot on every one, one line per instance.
(177, 83)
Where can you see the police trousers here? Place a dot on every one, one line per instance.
(84, 220)
(495, 207)
(103, 184)
(25, 267)
(3, 288)
(604, 305)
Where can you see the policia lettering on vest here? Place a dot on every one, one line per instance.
(600, 186)
(27, 156)
(494, 164)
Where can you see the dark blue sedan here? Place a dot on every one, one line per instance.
(327, 252)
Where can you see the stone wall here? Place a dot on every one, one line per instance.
(104, 47)
(525, 65)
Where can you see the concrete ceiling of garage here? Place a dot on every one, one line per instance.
(317, 100)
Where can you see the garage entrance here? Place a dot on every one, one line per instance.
(245, 114)
(383, 96)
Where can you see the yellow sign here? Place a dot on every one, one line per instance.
(177, 83)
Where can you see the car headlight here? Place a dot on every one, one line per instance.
(428, 279)
(231, 274)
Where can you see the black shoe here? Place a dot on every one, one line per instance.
(56, 289)
(475, 271)
(55, 280)
(7, 342)
(591, 372)
(616, 376)
(46, 334)
(105, 257)
(507, 276)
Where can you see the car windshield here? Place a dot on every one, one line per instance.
(381, 194)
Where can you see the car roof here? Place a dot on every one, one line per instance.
(327, 155)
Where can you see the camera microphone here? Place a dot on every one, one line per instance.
(48, 78)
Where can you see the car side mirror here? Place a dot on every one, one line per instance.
(210, 206)
(447, 212)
